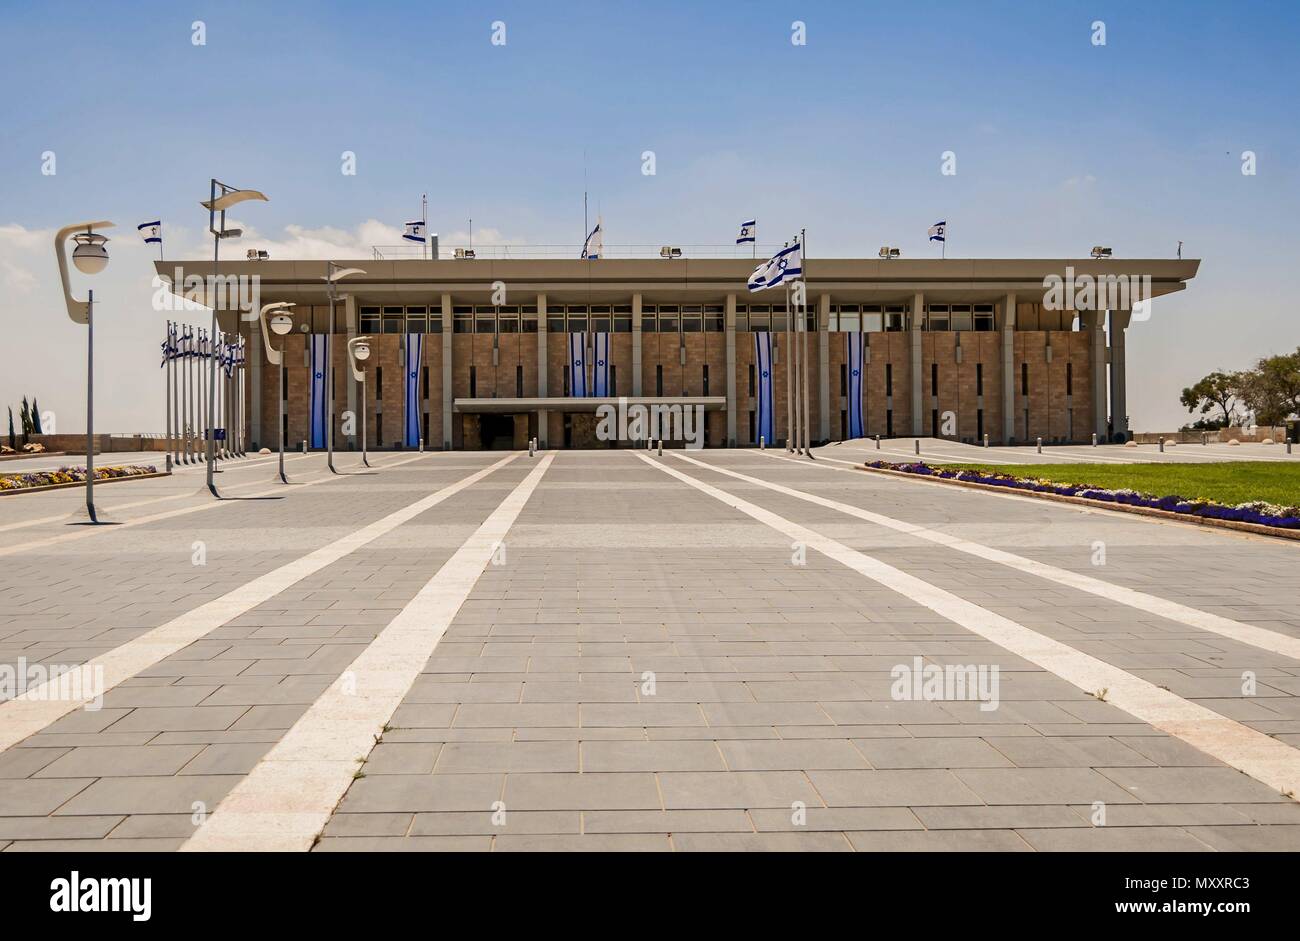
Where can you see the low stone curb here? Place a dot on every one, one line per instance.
(81, 483)
(28, 455)
(1256, 528)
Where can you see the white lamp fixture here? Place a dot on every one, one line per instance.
(359, 352)
(334, 273)
(1099, 251)
(281, 324)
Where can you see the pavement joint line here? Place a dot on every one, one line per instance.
(1263, 758)
(114, 508)
(39, 706)
(289, 796)
(181, 511)
(1264, 639)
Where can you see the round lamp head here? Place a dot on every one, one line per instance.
(90, 256)
(361, 351)
(281, 324)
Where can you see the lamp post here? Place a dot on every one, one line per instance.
(359, 352)
(91, 257)
(281, 324)
(222, 198)
(334, 273)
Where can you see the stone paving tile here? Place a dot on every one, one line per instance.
(1113, 839)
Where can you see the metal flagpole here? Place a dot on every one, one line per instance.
(789, 378)
(424, 218)
(807, 411)
(167, 385)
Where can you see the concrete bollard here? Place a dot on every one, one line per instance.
(1094, 439)
(1040, 444)
(1162, 445)
(1204, 439)
(762, 442)
(917, 446)
(531, 453)
(1288, 446)
(421, 445)
(169, 459)
(304, 446)
(661, 447)
(877, 442)
(986, 441)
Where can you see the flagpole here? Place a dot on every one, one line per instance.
(167, 385)
(807, 410)
(789, 378)
(424, 218)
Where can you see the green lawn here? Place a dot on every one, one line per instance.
(1230, 482)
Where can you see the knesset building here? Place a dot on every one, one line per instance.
(958, 348)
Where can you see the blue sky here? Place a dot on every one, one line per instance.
(1060, 144)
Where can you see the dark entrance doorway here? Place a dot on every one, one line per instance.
(496, 432)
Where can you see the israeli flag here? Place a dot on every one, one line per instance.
(151, 231)
(414, 349)
(748, 232)
(785, 264)
(577, 365)
(600, 366)
(594, 247)
(938, 232)
(856, 360)
(415, 232)
(319, 397)
(764, 419)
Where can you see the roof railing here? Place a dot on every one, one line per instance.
(573, 251)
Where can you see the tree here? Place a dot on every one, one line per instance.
(12, 443)
(1273, 389)
(1219, 390)
(25, 416)
(36, 418)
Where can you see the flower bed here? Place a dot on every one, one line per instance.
(1257, 512)
(71, 475)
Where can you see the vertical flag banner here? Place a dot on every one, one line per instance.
(600, 365)
(854, 356)
(319, 397)
(414, 347)
(577, 365)
(764, 418)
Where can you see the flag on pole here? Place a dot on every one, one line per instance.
(600, 366)
(150, 231)
(577, 365)
(856, 361)
(763, 415)
(318, 396)
(594, 247)
(748, 232)
(787, 263)
(414, 349)
(938, 232)
(415, 232)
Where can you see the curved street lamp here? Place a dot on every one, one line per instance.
(91, 257)
(334, 273)
(281, 324)
(222, 198)
(359, 352)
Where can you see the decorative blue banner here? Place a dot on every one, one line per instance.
(856, 360)
(577, 365)
(414, 347)
(600, 365)
(764, 419)
(319, 397)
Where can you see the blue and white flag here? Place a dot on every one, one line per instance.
(594, 247)
(151, 231)
(748, 232)
(170, 347)
(578, 365)
(415, 231)
(600, 365)
(414, 349)
(856, 360)
(764, 419)
(938, 232)
(319, 396)
(787, 264)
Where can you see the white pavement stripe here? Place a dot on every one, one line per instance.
(1263, 758)
(86, 531)
(1272, 641)
(27, 714)
(111, 508)
(288, 797)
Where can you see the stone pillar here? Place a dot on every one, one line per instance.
(350, 320)
(1008, 368)
(542, 393)
(636, 344)
(729, 326)
(448, 387)
(918, 316)
(824, 367)
(1094, 323)
(1119, 321)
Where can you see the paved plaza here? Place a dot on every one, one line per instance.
(618, 650)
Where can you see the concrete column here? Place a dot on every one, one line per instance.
(1008, 368)
(1119, 321)
(729, 326)
(350, 320)
(636, 344)
(918, 316)
(824, 367)
(541, 366)
(256, 350)
(1094, 323)
(448, 328)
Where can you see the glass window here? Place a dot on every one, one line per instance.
(714, 320)
(850, 320)
(370, 320)
(485, 322)
(872, 321)
(983, 316)
(600, 323)
(435, 323)
(555, 320)
(742, 319)
(508, 320)
(960, 318)
(463, 322)
(759, 318)
(577, 322)
(692, 319)
(622, 322)
(778, 319)
(668, 319)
